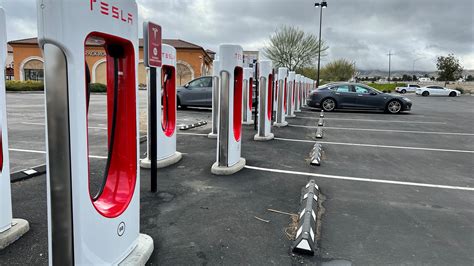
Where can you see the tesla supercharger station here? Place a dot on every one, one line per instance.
(248, 95)
(166, 116)
(298, 90)
(10, 229)
(290, 110)
(83, 229)
(305, 91)
(282, 97)
(215, 99)
(265, 101)
(230, 111)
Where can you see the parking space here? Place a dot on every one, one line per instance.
(399, 189)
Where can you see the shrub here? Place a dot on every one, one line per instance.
(15, 85)
(460, 89)
(387, 88)
(98, 87)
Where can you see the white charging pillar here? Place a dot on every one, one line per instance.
(229, 140)
(265, 92)
(305, 91)
(215, 100)
(167, 115)
(10, 229)
(298, 90)
(85, 229)
(248, 97)
(290, 110)
(282, 97)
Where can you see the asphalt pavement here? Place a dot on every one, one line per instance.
(398, 189)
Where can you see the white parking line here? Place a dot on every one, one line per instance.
(42, 124)
(350, 178)
(43, 152)
(193, 134)
(376, 146)
(389, 130)
(27, 151)
(373, 120)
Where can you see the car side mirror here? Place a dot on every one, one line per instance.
(373, 93)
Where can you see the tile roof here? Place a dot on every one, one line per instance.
(176, 43)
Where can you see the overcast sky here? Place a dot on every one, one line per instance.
(360, 30)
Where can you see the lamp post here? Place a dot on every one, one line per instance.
(322, 5)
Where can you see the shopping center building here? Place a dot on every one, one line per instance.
(192, 61)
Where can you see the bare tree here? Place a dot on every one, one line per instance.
(293, 48)
(182, 71)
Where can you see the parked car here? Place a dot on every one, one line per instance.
(346, 95)
(408, 88)
(437, 91)
(198, 93)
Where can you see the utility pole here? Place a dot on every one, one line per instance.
(321, 5)
(389, 64)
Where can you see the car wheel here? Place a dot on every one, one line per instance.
(404, 91)
(328, 104)
(394, 107)
(452, 94)
(425, 93)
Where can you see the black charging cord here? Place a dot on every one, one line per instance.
(116, 52)
(88, 84)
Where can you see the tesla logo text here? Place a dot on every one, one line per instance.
(155, 31)
(113, 11)
(168, 56)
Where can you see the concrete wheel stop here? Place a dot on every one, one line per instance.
(284, 124)
(175, 158)
(141, 253)
(265, 138)
(228, 170)
(18, 229)
(212, 136)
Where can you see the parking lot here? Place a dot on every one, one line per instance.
(398, 189)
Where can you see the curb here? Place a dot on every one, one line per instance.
(306, 241)
(28, 173)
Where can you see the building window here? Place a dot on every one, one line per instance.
(33, 70)
(34, 74)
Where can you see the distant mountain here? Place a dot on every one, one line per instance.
(400, 73)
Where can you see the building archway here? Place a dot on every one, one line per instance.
(99, 74)
(142, 74)
(184, 72)
(31, 68)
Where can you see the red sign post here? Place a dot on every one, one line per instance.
(153, 60)
(152, 37)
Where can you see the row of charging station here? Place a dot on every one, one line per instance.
(104, 228)
(232, 103)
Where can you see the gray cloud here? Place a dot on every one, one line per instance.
(363, 30)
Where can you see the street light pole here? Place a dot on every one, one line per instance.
(389, 64)
(323, 4)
